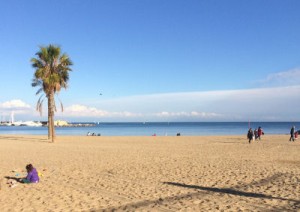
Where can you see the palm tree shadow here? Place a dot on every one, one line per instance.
(230, 191)
(203, 190)
(19, 138)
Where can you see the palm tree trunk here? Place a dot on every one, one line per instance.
(49, 118)
(52, 116)
(53, 128)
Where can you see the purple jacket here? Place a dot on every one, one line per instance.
(33, 176)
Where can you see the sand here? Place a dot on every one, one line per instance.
(201, 173)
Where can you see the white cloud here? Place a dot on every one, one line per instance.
(86, 111)
(284, 78)
(262, 104)
(204, 115)
(265, 104)
(193, 114)
(15, 104)
(275, 103)
(82, 110)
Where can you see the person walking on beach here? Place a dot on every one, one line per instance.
(260, 132)
(255, 134)
(250, 135)
(292, 138)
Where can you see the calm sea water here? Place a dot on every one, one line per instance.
(159, 128)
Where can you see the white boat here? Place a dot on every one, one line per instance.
(22, 123)
(31, 124)
(16, 123)
(6, 124)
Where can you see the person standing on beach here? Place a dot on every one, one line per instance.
(255, 134)
(292, 138)
(260, 132)
(250, 135)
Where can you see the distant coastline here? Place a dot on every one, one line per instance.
(45, 124)
(157, 128)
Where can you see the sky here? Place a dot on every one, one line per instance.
(156, 60)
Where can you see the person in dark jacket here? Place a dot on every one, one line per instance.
(250, 135)
(292, 138)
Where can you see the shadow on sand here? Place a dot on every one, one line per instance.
(202, 190)
(18, 179)
(230, 191)
(20, 138)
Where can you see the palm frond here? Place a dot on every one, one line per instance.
(39, 91)
(39, 104)
(61, 104)
(51, 72)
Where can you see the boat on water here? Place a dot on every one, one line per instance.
(32, 124)
(12, 122)
(16, 123)
(23, 123)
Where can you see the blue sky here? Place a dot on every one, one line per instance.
(157, 60)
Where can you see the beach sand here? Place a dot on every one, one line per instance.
(201, 173)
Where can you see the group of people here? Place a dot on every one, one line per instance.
(255, 135)
(93, 134)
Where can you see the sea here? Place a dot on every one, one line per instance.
(157, 128)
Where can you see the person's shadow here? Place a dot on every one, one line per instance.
(18, 179)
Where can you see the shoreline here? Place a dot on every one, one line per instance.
(160, 129)
(146, 136)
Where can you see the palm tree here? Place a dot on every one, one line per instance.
(51, 74)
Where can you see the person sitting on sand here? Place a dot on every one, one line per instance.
(32, 175)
